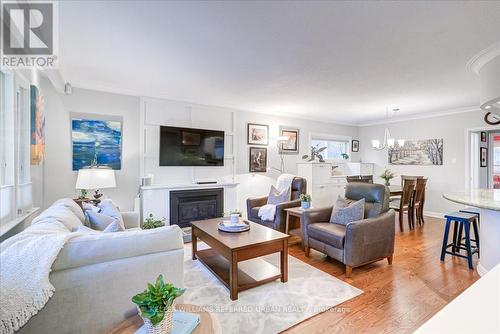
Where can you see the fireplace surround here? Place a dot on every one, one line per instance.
(198, 204)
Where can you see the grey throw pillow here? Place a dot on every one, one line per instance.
(99, 221)
(277, 197)
(345, 211)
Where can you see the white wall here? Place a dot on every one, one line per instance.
(59, 179)
(147, 114)
(257, 184)
(157, 112)
(446, 178)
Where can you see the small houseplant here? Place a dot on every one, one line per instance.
(305, 201)
(387, 175)
(315, 153)
(155, 306)
(150, 222)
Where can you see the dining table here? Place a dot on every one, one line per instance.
(395, 190)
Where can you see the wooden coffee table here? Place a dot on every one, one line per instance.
(228, 251)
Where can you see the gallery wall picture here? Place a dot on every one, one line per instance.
(483, 156)
(355, 146)
(292, 144)
(257, 134)
(417, 152)
(37, 132)
(97, 140)
(257, 160)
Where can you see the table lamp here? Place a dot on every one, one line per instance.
(95, 178)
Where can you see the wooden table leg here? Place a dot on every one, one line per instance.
(194, 243)
(233, 276)
(284, 262)
(287, 223)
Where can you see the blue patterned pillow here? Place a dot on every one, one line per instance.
(345, 211)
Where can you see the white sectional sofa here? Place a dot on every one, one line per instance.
(96, 275)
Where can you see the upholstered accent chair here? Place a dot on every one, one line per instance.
(299, 186)
(357, 243)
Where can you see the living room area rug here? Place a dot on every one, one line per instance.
(269, 308)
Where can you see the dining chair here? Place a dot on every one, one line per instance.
(409, 177)
(418, 201)
(404, 203)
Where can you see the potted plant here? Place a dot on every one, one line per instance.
(387, 175)
(155, 306)
(305, 201)
(315, 153)
(150, 222)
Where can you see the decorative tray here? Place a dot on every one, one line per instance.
(226, 226)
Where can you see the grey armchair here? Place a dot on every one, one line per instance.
(361, 242)
(299, 186)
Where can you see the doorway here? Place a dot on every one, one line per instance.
(494, 160)
(483, 159)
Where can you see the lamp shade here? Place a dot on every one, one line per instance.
(95, 178)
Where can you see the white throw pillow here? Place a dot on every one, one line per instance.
(109, 208)
(113, 227)
(70, 204)
(62, 214)
(99, 221)
(87, 230)
(277, 197)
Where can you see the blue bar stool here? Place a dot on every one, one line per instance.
(475, 227)
(462, 220)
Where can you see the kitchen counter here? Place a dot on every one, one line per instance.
(478, 198)
(487, 203)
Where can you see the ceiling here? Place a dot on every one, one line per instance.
(336, 61)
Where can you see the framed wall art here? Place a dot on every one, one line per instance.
(258, 160)
(292, 144)
(257, 134)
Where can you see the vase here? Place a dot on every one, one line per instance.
(163, 327)
(305, 205)
(387, 182)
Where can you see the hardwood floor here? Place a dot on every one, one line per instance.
(397, 298)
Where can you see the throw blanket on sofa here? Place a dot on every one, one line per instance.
(268, 211)
(25, 263)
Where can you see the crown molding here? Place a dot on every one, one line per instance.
(412, 117)
(475, 64)
(130, 92)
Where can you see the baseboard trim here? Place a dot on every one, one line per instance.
(434, 214)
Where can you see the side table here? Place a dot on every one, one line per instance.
(296, 232)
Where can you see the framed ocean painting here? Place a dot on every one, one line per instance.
(96, 140)
(37, 132)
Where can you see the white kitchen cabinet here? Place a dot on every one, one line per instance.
(321, 185)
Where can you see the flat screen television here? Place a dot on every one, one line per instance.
(191, 147)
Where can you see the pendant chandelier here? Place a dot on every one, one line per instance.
(388, 141)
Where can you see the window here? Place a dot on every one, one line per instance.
(334, 147)
(15, 179)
